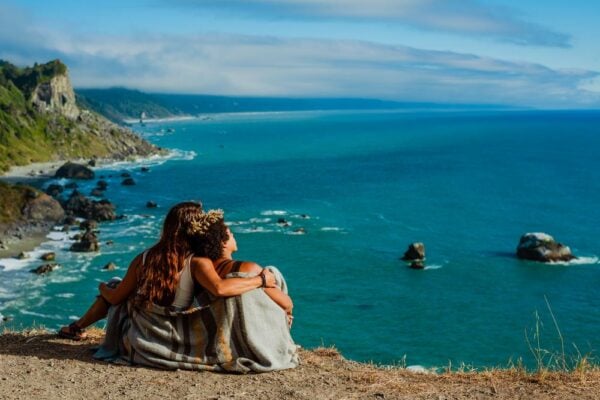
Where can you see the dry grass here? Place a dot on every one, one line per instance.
(36, 362)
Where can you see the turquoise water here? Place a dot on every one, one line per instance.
(467, 184)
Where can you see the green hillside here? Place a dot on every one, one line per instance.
(34, 127)
(118, 104)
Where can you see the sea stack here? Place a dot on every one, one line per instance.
(542, 247)
(415, 252)
(415, 255)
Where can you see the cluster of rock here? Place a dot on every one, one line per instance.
(79, 206)
(535, 246)
(282, 222)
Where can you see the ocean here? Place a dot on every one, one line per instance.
(363, 185)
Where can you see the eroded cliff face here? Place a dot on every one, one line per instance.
(57, 95)
(40, 120)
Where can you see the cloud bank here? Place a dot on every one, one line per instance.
(270, 66)
(465, 17)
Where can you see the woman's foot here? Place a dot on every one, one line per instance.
(73, 332)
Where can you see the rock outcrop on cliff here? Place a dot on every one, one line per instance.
(40, 120)
(56, 95)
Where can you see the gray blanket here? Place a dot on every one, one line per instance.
(246, 333)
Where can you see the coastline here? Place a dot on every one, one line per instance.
(35, 175)
(132, 121)
(28, 243)
(33, 171)
(36, 363)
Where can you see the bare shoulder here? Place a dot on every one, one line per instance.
(136, 263)
(251, 267)
(201, 262)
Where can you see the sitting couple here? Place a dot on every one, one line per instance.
(185, 303)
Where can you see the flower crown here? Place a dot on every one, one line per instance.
(200, 225)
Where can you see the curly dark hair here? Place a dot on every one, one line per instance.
(210, 244)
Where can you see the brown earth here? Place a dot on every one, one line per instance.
(39, 365)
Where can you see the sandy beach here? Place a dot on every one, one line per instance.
(31, 172)
(39, 365)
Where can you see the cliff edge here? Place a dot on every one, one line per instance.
(40, 365)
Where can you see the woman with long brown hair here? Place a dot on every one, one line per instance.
(164, 275)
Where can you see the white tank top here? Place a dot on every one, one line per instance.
(184, 294)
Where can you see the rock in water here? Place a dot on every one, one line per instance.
(54, 190)
(88, 225)
(417, 265)
(151, 204)
(48, 256)
(416, 251)
(542, 247)
(74, 171)
(101, 184)
(96, 192)
(87, 243)
(111, 266)
(128, 182)
(80, 206)
(44, 269)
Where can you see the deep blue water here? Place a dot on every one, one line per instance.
(467, 184)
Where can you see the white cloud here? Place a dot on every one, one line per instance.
(466, 17)
(269, 66)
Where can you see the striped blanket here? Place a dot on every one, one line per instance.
(246, 333)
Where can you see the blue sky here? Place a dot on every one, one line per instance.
(529, 53)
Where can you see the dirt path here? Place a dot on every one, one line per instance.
(38, 365)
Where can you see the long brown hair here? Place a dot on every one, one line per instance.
(159, 276)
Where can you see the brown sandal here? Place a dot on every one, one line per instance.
(73, 332)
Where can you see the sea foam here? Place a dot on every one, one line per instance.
(578, 261)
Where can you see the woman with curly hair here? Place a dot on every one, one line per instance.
(216, 242)
(164, 275)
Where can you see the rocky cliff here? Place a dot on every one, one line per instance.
(56, 95)
(40, 120)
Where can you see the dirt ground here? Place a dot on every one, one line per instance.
(39, 365)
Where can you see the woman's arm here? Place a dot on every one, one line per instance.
(204, 273)
(283, 300)
(125, 288)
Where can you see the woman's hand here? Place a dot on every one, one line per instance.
(270, 280)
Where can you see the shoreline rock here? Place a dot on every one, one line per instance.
(87, 243)
(71, 170)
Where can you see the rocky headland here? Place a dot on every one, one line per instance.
(42, 125)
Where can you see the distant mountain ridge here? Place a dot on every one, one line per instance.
(40, 120)
(120, 104)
